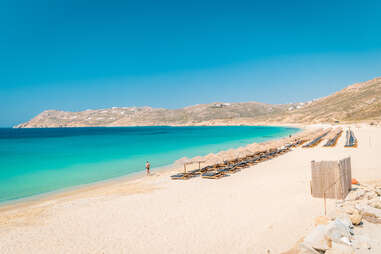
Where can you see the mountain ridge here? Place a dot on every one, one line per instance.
(357, 102)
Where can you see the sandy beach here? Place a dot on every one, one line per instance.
(265, 207)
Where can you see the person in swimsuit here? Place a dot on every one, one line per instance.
(148, 167)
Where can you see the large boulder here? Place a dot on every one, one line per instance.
(337, 230)
(345, 219)
(317, 239)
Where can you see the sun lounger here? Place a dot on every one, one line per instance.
(181, 176)
(315, 141)
(242, 164)
(332, 142)
(212, 175)
(195, 172)
(229, 170)
(351, 140)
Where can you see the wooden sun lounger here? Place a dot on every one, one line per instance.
(333, 141)
(212, 175)
(181, 176)
(315, 141)
(229, 170)
(195, 172)
(351, 140)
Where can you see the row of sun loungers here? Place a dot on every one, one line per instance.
(351, 140)
(333, 141)
(230, 167)
(316, 140)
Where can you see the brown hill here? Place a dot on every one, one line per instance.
(147, 116)
(358, 102)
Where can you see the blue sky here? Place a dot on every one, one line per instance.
(75, 55)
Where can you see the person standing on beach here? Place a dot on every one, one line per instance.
(148, 167)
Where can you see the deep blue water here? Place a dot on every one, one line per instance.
(35, 161)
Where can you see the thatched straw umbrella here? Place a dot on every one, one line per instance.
(212, 159)
(243, 152)
(199, 160)
(183, 161)
(227, 155)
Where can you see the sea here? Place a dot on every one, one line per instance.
(39, 161)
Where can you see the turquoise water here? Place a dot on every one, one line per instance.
(36, 161)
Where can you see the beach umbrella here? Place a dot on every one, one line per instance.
(243, 152)
(182, 160)
(212, 159)
(226, 155)
(199, 160)
(255, 148)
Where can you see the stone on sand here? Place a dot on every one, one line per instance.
(355, 195)
(336, 230)
(375, 202)
(370, 211)
(317, 239)
(356, 217)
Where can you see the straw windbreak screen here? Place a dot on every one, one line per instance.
(331, 179)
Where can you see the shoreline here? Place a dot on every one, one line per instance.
(135, 176)
(244, 212)
(272, 124)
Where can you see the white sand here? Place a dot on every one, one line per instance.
(267, 206)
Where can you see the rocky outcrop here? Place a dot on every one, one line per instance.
(349, 230)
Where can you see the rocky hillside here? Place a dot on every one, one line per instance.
(358, 102)
(209, 114)
(355, 103)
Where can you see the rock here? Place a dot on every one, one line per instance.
(340, 249)
(378, 191)
(356, 217)
(346, 241)
(317, 239)
(370, 195)
(345, 219)
(355, 194)
(321, 220)
(369, 211)
(376, 203)
(336, 229)
(349, 208)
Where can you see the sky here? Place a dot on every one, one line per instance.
(75, 55)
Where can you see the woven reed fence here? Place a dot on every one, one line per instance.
(331, 179)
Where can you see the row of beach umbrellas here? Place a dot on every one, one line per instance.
(242, 152)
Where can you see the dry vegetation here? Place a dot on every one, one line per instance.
(358, 102)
